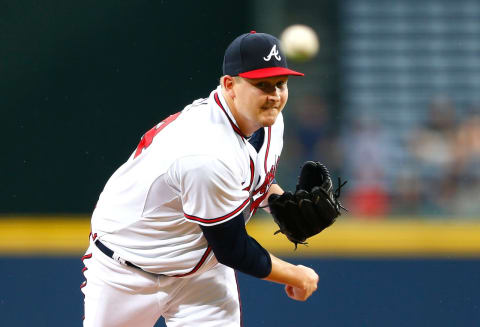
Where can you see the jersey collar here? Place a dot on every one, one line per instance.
(220, 101)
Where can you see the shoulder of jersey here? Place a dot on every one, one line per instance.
(205, 131)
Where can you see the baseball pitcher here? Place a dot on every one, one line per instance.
(168, 231)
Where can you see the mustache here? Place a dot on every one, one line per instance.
(267, 107)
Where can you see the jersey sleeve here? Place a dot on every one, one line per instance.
(210, 190)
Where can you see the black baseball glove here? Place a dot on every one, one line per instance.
(313, 207)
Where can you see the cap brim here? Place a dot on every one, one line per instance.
(269, 72)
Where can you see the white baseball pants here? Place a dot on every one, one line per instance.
(123, 296)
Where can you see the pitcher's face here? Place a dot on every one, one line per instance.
(259, 101)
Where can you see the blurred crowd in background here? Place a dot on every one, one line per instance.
(405, 131)
(439, 173)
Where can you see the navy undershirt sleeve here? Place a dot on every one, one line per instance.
(233, 247)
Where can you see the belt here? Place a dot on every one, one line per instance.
(113, 255)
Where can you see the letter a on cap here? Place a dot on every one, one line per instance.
(273, 52)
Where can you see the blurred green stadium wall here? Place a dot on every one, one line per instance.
(82, 81)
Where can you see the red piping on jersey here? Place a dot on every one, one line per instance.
(268, 147)
(269, 177)
(263, 189)
(216, 220)
(235, 127)
(256, 203)
(94, 236)
(199, 264)
(87, 256)
(252, 173)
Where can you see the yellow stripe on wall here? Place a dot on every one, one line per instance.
(379, 238)
(68, 235)
(62, 235)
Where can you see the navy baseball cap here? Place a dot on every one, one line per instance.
(256, 55)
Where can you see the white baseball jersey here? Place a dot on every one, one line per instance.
(193, 168)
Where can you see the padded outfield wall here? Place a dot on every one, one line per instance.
(390, 273)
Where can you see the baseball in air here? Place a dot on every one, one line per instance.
(299, 42)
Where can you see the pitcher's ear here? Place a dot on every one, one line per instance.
(228, 82)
